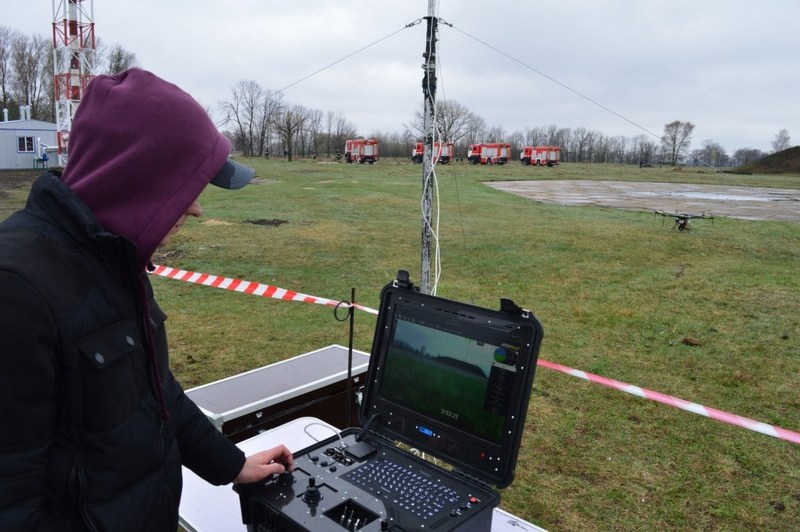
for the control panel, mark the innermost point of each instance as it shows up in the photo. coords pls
(344, 484)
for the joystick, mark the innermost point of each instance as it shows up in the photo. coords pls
(286, 478)
(312, 495)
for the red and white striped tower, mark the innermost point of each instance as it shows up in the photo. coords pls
(74, 48)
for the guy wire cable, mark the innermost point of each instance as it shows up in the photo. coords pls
(348, 56)
(585, 97)
(564, 85)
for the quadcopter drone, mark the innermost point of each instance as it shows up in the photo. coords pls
(682, 219)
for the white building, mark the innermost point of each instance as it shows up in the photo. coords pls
(25, 142)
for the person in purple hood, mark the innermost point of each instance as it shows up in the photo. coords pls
(94, 427)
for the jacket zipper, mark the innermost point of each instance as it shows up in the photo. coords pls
(79, 485)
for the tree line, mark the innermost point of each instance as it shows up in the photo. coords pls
(260, 123)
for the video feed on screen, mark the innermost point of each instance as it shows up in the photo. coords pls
(451, 376)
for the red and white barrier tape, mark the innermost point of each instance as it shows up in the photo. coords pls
(274, 292)
(248, 287)
(713, 413)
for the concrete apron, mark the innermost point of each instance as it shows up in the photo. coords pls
(749, 203)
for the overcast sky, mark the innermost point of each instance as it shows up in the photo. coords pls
(619, 67)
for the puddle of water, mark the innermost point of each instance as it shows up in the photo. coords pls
(717, 197)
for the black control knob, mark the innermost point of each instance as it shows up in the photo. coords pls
(286, 478)
(312, 494)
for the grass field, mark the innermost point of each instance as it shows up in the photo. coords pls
(712, 317)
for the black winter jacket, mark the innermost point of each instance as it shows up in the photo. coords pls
(94, 428)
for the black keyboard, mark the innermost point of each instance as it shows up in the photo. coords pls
(404, 486)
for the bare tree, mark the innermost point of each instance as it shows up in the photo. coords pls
(595, 147)
(781, 141)
(341, 130)
(330, 119)
(676, 140)
(119, 59)
(47, 111)
(29, 63)
(600, 149)
(746, 155)
(271, 106)
(582, 144)
(454, 122)
(241, 111)
(553, 135)
(559, 137)
(476, 130)
(643, 150)
(496, 134)
(534, 136)
(712, 153)
(251, 110)
(313, 129)
(7, 37)
(618, 147)
(517, 140)
(289, 125)
(393, 144)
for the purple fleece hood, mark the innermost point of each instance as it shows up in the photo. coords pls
(141, 150)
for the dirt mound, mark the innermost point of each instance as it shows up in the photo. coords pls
(782, 162)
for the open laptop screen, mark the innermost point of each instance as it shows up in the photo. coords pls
(460, 376)
(454, 380)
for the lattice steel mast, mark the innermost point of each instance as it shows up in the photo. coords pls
(74, 49)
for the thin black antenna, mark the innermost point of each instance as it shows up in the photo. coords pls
(349, 392)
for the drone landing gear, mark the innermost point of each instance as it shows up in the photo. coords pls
(682, 224)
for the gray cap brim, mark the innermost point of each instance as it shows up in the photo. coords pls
(233, 175)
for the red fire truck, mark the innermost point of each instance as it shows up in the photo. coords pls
(540, 155)
(361, 151)
(443, 152)
(492, 153)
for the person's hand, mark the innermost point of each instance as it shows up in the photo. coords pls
(261, 465)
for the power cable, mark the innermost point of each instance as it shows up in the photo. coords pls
(440, 78)
(430, 177)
